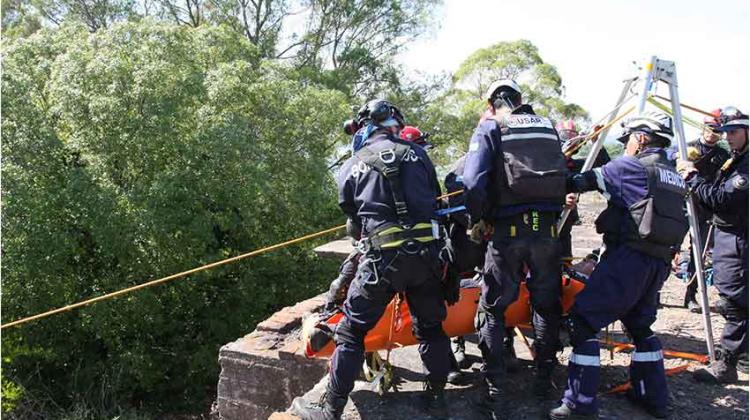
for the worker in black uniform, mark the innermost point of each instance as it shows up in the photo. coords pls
(643, 225)
(708, 157)
(515, 187)
(469, 261)
(390, 187)
(727, 198)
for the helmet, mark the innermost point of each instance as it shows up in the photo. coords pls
(654, 123)
(382, 113)
(413, 134)
(713, 120)
(566, 125)
(503, 92)
(378, 111)
(566, 129)
(508, 84)
(732, 118)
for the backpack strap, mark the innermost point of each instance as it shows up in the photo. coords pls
(387, 162)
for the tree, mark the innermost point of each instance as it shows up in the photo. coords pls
(519, 60)
(350, 44)
(450, 109)
(138, 151)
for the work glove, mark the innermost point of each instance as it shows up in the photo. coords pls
(571, 200)
(693, 154)
(451, 284)
(685, 168)
(480, 230)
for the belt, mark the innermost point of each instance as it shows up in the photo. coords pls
(529, 223)
(397, 236)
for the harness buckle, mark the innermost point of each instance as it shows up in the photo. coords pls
(411, 247)
(388, 156)
(363, 246)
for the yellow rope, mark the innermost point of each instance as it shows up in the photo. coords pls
(172, 277)
(184, 273)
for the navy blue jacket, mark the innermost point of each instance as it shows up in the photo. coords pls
(727, 198)
(366, 195)
(485, 156)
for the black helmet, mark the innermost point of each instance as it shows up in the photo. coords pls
(380, 111)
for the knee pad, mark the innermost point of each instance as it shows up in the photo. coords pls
(430, 332)
(347, 334)
(579, 330)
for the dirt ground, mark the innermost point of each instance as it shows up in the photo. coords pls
(678, 329)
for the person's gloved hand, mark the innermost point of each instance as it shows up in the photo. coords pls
(693, 154)
(451, 285)
(685, 168)
(480, 230)
(571, 200)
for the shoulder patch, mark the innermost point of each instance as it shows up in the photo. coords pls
(474, 146)
(739, 182)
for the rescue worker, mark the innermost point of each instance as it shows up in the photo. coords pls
(469, 261)
(727, 198)
(643, 226)
(708, 157)
(389, 186)
(507, 196)
(337, 290)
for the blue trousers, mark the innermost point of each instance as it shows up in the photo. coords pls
(731, 280)
(381, 275)
(624, 286)
(503, 272)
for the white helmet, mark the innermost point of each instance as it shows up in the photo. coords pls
(501, 83)
(654, 123)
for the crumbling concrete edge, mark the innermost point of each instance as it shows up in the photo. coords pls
(262, 372)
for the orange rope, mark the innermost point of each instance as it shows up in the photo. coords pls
(679, 354)
(626, 386)
(570, 152)
(692, 108)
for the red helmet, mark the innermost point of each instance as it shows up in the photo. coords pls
(413, 134)
(566, 129)
(714, 120)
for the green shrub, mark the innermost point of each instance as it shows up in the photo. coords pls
(140, 151)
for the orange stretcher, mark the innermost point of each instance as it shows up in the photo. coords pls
(395, 326)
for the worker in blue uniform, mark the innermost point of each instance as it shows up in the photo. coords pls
(515, 187)
(707, 156)
(390, 187)
(643, 226)
(727, 198)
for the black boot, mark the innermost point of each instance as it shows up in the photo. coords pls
(656, 412)
(742, 363)
(329, 407)
(455, 377)
(722, 371)
(564, 412)
(543, 378)
(459, 352)
(433, 397)
(491, 405)
(509, 355)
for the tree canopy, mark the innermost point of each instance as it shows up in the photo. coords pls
(140, 151)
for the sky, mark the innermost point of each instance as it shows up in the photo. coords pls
(593, 44)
